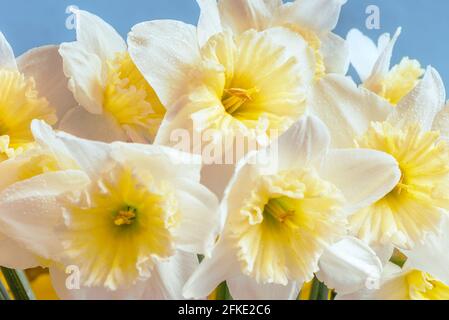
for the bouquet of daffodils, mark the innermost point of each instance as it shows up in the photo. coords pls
(229, 160)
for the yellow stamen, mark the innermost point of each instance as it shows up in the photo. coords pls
(125, 217)
(234, 98)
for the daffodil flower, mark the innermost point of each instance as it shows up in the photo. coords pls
(133, 226)
(31, 87)
(115, 103)
(424, 275)
(372, 64)
(287, 220)
(249, 86)
(410, 132)
(313, 20)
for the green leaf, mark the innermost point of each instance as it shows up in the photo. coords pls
(18, 284)
(223, 292)
(319, 290)
(3, 293)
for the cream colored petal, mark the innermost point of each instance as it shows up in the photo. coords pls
(318, 15)
(209, 22)
(363, 53)
(245, 288)
(243, 15)
(441, 122)
(422, 104)
(165, 51)
(7, 58)
(166, 163)
(346, 109)
(349, 265)
(96, 36)
(306, 142)
(382, 65)
(431, 255)
(222, 265)
(168, 278)
(84, 71)
(86, 125)
(30, 212)
(64, 285)
(91, 157)
(297, 48)
(335, 53)
(45, 65)
(200, 220)
(364, 176)
(14, 256)
(392, 286)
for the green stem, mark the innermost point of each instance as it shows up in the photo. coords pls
(18, 284)
(319, 290)
(223, 292)
(3, 293)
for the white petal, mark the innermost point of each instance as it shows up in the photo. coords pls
(364, 176)
(318, 15)
(165, 51)
(45, 65)
(29, 211)
(306, 142)
(90, 156)
(295, 47)
(209, 22)
(7, 58)
(165, 163)
(168, 278)
(60, 279)
(363, 53)
(335, 53)
(431, 255)
(382, 65)
(212, 271)
(86, 125)
(346, 109)
(200, 220)
(441, 122)
(423, 103)
(14, 256)
(244, 288)
(84, 71)
(96, 36)
(349, 266)
(243, 15)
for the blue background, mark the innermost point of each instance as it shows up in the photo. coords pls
(31, 23)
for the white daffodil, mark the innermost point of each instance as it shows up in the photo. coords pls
(372, 64)
(424, 275)
(250, 86)
(410, 132)
(133, 226)
(313, 20)
(287, 220)
(115, 102)
(31, 87)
